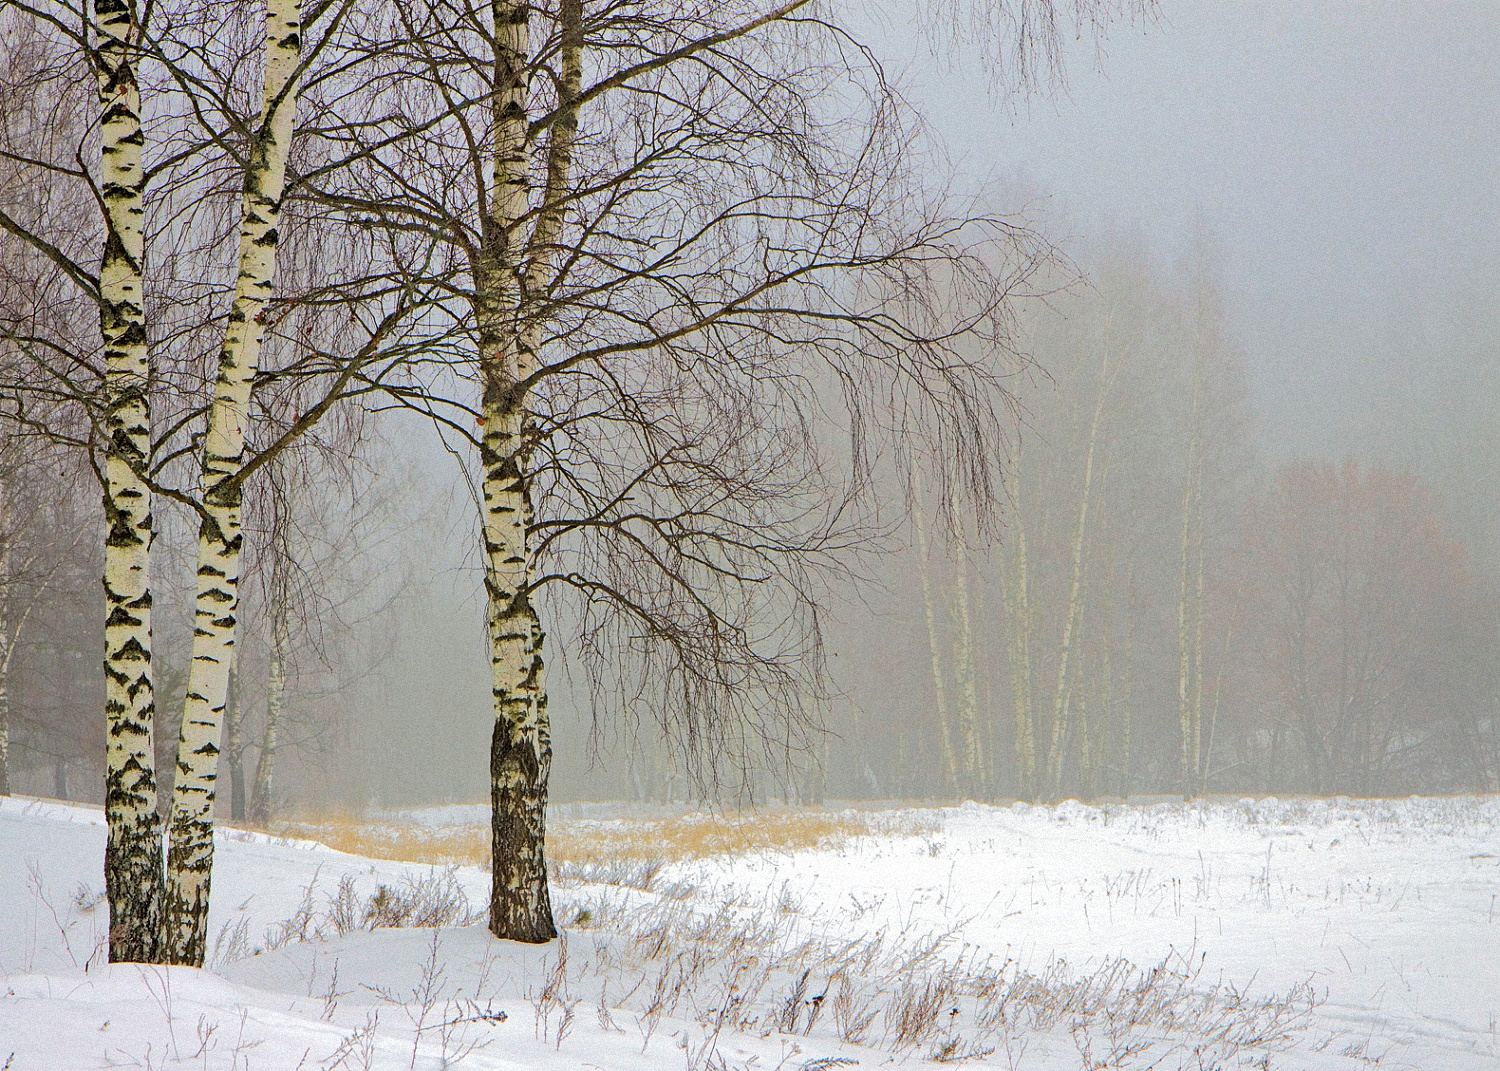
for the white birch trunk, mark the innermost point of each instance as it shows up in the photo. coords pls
(1213, 717)
(11, 627)
(1189, 606)
(507, 300)
(190, 857)
(234, 751)
(1200, 758)
(1018, 614)
(1097, 685)
(1074, 609)
(260, 798)
(1106, 720)
(972, 764)
(934, 640)
(7, 639)
(133, 858)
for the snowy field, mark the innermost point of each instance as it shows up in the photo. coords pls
(1271, 934)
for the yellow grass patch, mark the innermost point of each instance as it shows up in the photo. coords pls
(584, 842)
(404, 841)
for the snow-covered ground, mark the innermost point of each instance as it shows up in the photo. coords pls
(1271, 934)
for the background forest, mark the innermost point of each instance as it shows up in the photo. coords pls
(1198, 583)
(1165, 606)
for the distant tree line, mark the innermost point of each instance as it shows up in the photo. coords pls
(1165, 610)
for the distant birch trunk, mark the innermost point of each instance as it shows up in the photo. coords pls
(934, 640)
(1097, 742)
(1074, 608)
(1018, 615)
(1200, 754)
(1213, 716)
(972, 764)
(234, 752)
(7, 640)
(1186, 763)
(1127, 679)
(1190, 602)
(132, 856)
(1094, 677)
(260, 798)
(190, 858)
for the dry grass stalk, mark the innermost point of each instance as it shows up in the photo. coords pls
(746, 963)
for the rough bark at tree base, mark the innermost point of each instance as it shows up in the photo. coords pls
(190, 863)
(520, 905)
(133, 884)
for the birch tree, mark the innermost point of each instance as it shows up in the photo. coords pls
(948, 604)
(1209, 482)
(1014, 584)
(261, 795)
(1072, 608)
(323, 358)
(678, 239)
(190, 858)
(133, 856)
(964, 654)
(1095, 531)
(1190, 596)
(932, 609)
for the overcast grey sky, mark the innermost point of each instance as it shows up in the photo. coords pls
(1346, 155)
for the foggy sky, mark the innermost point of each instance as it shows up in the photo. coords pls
(1347, 157)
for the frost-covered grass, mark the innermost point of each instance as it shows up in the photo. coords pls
(1234, 934)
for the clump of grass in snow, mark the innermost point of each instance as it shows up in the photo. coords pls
(745, 964)
(431, 901)
(421, 901)
(742, 965)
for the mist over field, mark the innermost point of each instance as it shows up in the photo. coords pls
(1263, 357)
(747, 535)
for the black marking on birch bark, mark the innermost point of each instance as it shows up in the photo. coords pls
(131, 651)
(186, 926)
(122, 536)
(121, 617)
